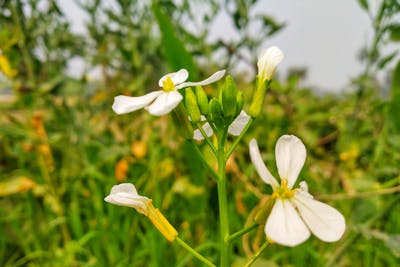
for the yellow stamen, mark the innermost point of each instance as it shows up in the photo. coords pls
(168, 85)
(284, 192)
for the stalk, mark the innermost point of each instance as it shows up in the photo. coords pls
(222, 201)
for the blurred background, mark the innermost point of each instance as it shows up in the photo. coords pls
(62, 147)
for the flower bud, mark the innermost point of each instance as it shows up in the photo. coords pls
(267, 63)
(191, 105)
(216, 111)
(202, 100)
(228, 97)
(239, 102)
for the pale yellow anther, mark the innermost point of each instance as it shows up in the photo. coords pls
(284, 192)
(168, 84)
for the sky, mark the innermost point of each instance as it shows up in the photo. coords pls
(323, 35)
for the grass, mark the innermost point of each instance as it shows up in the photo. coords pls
(59, 159)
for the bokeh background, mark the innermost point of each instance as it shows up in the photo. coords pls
(62, 147)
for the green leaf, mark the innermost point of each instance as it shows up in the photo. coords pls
(175, 52)
(270, 25)
(364, 4)
(382, 62)
(394, 105)
(394, 32)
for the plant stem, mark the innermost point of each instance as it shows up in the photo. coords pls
(239, 233)
(257, 254)
(205, 163)
(194, 252)
(239, 138)
(384, 191)
(204, 134)
(222, 201)
(18, 19)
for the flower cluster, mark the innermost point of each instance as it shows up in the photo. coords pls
(294, 213)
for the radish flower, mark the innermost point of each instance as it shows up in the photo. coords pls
(163, 101)
(295, 213)
(234, 129)
(126, 195)
(267, 63)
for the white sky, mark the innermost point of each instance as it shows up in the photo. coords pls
(323, 35)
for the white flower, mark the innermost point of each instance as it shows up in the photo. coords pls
(235, 128)
(163, 101)
(268, 62)
(126, 195)
(295, 212)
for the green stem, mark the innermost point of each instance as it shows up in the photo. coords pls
(239, 233)
(210, 144)
(194, 252)
(257, 254)
(205, 163)
(18, 18)
(239, 138)
(222, 201)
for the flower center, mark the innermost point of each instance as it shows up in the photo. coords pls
(284, 192)
(168, 84)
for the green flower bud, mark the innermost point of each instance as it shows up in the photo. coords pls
(202, 100)
(216, 112)
(239, 102)
(191, 105)
(227, 97)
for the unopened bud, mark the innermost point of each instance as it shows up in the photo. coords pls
(228, 97)
(239, 102)
(202, 100)
(216, 111)
(191, 105)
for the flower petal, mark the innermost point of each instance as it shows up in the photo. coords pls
(126, 195)
(213, 78)
(124, 188)
(177, 77)
(239, 123)
(262, 170)
(268, 62)
(290, 154)
(122, 199)
(207, 129)
(124, 104)
(324, 221)
(164, 103)
(284, 225)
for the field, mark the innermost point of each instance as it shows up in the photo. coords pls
(62, 147)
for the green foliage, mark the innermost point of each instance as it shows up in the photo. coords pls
(174, 50)
(394, 105)
(62, 148)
